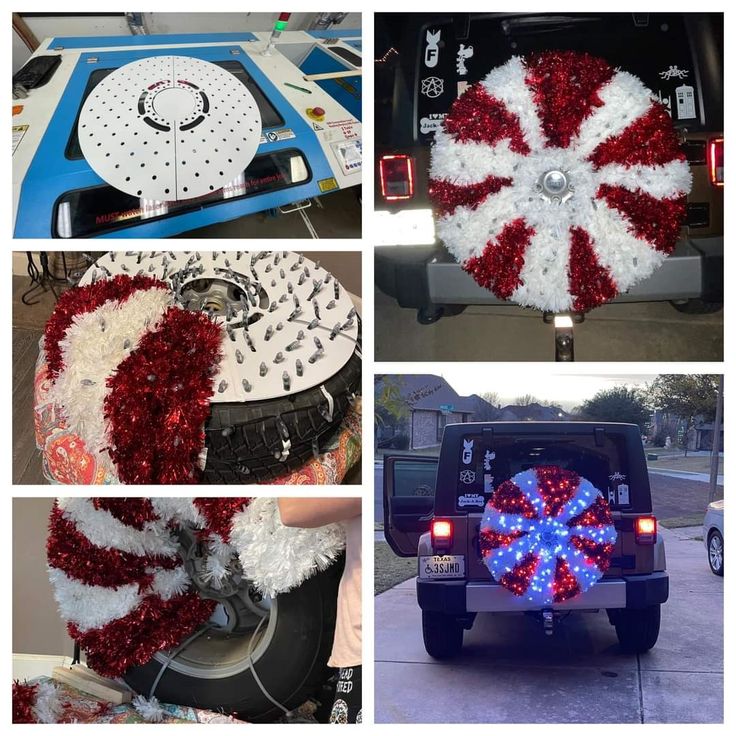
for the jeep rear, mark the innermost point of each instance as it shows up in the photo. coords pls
(453, 582)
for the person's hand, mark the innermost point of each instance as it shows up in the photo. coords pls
(314, 512)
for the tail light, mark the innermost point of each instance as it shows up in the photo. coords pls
(441, 535)
(397, 176)
(645, 530)
(715, 161)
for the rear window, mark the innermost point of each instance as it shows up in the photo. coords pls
(482, 468)
(455, 52)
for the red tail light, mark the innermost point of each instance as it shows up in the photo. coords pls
(441, 535)
(397, 176)
(715, 161)
(645, 530)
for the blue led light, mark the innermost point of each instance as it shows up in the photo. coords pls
(546, 537)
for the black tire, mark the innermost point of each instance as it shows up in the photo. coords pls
(292, 667)
(697, 306)
(715, 552)
(637, 629)
(443, 635)
(244, 440)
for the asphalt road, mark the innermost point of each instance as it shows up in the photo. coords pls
(509, 672)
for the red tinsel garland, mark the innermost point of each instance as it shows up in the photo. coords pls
(135, 512)
(132, 640)
(650, 140)
(24, 698)
(565, 584)
(160, 398)
(655, 220)
(68, 550)
(565, 86)
(500, 264)
(590, 283)
(509, 498)
(219, 513)
(83, 299)
(448, 196)
(476, 116)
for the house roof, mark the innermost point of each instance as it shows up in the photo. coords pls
(532, 412)
(429, 392)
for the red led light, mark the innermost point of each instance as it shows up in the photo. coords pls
(284, 16)
(397, 176)
(441, 529)
(715, 161)
(645, 530)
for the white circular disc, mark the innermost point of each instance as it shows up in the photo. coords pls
(271, 323)
(169, 127)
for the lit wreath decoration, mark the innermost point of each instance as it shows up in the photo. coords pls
(121, 584)
(547, 535)
(558, 182)
(122, 359)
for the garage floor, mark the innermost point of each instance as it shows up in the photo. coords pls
(615, 332)
(336, 215)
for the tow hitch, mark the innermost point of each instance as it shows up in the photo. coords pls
(548, 621)
(564, 336)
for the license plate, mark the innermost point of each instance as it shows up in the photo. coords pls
(442, 566)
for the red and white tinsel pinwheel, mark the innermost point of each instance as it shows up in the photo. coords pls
(121, 584)
(558, 181)
(547, 535)
(132, 373)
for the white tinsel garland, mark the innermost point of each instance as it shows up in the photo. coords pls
(276, 557)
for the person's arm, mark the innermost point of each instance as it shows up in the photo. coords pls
(313, 512)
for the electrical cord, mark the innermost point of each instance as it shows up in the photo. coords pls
(173, 656)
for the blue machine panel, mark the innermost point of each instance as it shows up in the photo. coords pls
(346, 90)
(163, 39)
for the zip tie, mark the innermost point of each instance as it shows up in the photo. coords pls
(330, 403)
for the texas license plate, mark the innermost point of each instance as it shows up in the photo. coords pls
(442, 566)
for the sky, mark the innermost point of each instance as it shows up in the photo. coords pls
(567, 391)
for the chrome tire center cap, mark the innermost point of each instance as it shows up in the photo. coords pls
(554, 186)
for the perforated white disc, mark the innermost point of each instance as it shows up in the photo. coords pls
(297, 314)
(169, 127)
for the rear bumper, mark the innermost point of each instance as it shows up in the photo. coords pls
(460, 597)
(419, 275)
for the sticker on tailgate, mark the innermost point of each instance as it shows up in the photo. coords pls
(442, 566)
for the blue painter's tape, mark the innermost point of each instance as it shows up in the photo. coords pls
(337, 33)
(94, 42)
(347, 91)
(51, 174)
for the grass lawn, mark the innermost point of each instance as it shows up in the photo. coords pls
(677, 522)
(391, 570)
(692, 464)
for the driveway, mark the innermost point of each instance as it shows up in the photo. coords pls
(510, 672)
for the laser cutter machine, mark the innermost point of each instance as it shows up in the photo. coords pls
(307, 89)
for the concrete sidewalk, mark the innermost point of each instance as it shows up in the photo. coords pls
(686, 475)
(509, 672)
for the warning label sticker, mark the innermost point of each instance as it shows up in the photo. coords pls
(18, 132)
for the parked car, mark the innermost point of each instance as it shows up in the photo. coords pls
(713, 536)
(452, 50)
(433, 508)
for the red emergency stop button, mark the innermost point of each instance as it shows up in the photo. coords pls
(316, 113)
